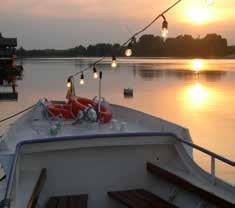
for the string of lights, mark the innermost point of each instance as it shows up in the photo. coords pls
(129, 42)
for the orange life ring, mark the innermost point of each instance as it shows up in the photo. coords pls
(85, 101)
(105, 115)
(80, 103)
(77, 104)
(63, 110)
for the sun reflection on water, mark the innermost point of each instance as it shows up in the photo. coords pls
(198, 96)
(197, 65)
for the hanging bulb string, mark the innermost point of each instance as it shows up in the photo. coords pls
(88, 67)
(152, 22)
(130, 39)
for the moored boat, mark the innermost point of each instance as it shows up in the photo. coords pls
(133, 160)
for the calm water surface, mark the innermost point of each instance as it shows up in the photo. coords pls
(198, 94)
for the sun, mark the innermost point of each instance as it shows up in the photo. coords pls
(199, 15)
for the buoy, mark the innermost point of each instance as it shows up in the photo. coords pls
(128, 92)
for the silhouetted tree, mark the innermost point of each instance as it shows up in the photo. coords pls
(212, 45)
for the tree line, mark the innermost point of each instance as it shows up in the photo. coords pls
(212, 45)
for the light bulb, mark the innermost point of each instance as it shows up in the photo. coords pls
(128, 52)
(129, 48)
(114, 62)
(165, 33)
(82, 81)
(68, 84)
(95, 74)
(165, 29)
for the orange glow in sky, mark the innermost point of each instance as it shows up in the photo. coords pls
(199, 12)
(199, 15)
(94, 21)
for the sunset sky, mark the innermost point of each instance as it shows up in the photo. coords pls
(66, 23)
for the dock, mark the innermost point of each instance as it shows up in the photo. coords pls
(8, 96)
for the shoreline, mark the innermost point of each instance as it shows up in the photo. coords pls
(128, 58)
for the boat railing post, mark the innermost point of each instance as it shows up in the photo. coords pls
(213, 170)
(99, 104)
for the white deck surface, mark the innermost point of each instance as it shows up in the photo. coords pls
(33, 125)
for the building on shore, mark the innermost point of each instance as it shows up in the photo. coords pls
(10, 72)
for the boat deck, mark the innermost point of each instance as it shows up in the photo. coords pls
(36, 126)
(99, 160)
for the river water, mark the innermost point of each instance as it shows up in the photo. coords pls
(197, 94)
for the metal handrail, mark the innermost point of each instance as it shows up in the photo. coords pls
(212, 154)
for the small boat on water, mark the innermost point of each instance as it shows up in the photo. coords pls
(88, 153)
